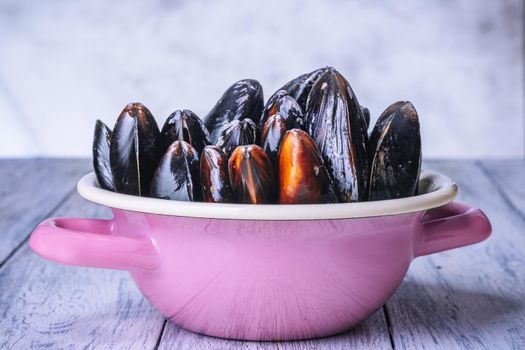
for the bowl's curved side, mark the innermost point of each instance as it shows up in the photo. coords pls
(435, 190)
(273, 280)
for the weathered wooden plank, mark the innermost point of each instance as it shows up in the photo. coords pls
(509, 178)
(469, 298)
(29, 190)
(46, 305)
(372, 334)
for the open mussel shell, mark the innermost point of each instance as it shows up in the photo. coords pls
(101, 144)
(215, 180)
(272, 134)
(244, 99)
(303, 178)
(177, 176)
(300, 87)
(395, 153)
(285, 105)
(237, 133)
(251, 175)
(135, 150)
(185, 126)
(336, 123)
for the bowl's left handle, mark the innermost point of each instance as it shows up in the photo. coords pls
(452, 226)
(88, 242)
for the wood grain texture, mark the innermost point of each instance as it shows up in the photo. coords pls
(372, 334)
(29, 191)
(468, 298)
(46, 305)
(509, 178)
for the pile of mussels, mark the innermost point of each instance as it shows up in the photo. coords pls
(308, 144)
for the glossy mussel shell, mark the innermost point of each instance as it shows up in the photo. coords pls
(237, 133)
(272, 134)
(177, 176)
(135, 150)
(285, 105)
(244, 99)
(303, 178)
(101, 164)
(214, 176)
(299, 88)
(395, 153)
(251, 175)
(366, 115)
(336, 123)
(185, 126)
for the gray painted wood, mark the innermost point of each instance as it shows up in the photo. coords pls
(372, 334)
(29, 190)
(46, 305)
(509, 178)
(468, 298)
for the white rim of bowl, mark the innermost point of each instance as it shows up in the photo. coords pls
(440, 190)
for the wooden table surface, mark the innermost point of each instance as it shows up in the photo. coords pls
(468, 298)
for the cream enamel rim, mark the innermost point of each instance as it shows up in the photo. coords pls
(441, 191)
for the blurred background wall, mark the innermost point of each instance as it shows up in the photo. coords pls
(65, 63)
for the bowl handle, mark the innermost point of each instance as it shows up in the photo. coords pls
(452, 226)
(89, 242)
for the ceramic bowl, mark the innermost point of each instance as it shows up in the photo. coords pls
(264, 272)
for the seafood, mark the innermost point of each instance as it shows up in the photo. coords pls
(308, 144)
(101, 142)
(185, 126)
(215, 180)
(237, 133)
(251, 175)
(336, 123)
(395, 153)
(272, 134)
(285, 105)
(366, 114)
(300, 87)
(134, 150)
(177, 176)
(244, 99)
(303, 178)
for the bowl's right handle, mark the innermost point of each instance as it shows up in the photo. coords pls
(90, 242)
(452, 226)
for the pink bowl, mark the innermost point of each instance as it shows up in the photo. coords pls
(268, 272)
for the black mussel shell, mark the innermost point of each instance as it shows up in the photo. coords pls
(285, 105)
(177, 176)
(244, 99)
(237, 133)
(391, 109)
(300, 87)
(215, 180)
(303, 178)
(135, 150)
(271, 104)
(101, 165)
(395, 153)
(366, 114)
(336, 123)
(251, 175)
(185, 126)
(272, 134)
